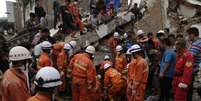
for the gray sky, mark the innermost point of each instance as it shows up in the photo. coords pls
(3, 7)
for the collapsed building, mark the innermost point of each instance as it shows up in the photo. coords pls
(183, 14)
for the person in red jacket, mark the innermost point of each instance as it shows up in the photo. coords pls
(183, 71)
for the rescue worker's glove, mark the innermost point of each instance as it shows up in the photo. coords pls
(182, 85)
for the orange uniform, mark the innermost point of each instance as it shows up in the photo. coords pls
(39, 97)
(120, 62)
(14, 86)
(113, 43)
(44, 60)
(137, 79)
(114, 82)
(103, 63)
(75, 12)
(83, 77)
(62, 63)
(57, 48)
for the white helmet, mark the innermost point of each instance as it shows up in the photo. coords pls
(73, 44)
(19, 53)
(46, 45)
(161, 31)
(140, 32)
(119, 48)
(128, 52)
(125, 35)
(135, 48)
(67, 46)
(90, 49)
(48, 77)
(107, 65)
(106, 57)
(116, 35)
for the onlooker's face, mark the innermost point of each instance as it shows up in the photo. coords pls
(191, 36)
(178, 48)
(67, 3)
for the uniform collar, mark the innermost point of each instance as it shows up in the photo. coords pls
(19, 74)
(87, 55)
(42, 97)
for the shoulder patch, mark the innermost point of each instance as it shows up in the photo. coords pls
(188, 64)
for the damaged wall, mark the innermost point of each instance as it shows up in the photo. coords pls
(152, 21)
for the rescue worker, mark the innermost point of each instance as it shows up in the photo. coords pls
(83, 75)
(46, 80)
(62, 63)
(183, 71)
(114, 41)
(114, 83)
(56, 49)
(120, 59)
(74, 10)
(45, 57)
(73, 45)
(137, 75)
(15, 83)
(127, 42)
(106, 60)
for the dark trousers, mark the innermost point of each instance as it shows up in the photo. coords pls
(165, 89)
(190, 94)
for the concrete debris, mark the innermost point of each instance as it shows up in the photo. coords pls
(194, 2)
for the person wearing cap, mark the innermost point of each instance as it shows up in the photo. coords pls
(46, 81)
(141, 36)
(45, 57)
(15, 82)
(114, 41)
(114, 83)
(62, 64)
(137, 75)
(120, 59)
(83, 75)
(160, 34)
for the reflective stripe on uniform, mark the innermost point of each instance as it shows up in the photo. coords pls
(80, 66)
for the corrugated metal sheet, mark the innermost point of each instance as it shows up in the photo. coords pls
(194, 2)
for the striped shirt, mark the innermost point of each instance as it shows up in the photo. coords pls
(196, 51)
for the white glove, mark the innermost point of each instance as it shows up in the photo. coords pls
(99, 77)
(182, 85)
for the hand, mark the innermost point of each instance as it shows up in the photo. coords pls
(62, 73)
(89, 87)
(161, 75)
(182, 85)
(133, 92)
